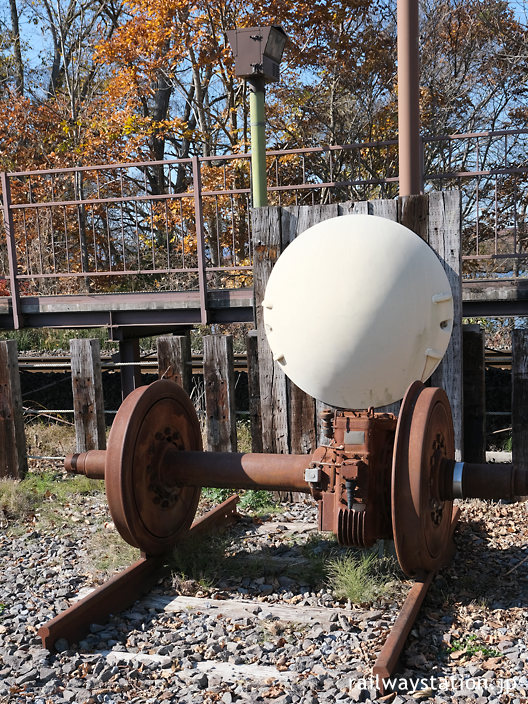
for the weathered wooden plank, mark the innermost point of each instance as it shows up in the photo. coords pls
(296, 219)
(303, 436)
(312, 214)
(302, 416)
(474, 394)
(267, 245)
(13, 452)
(353, 208)
(413, 212)
(255, 419)
(87, 386)
(519, 399)
(219, 383)
(289, 224)
(174, 360)
(444, 238)
(383, 208)
(238, 608)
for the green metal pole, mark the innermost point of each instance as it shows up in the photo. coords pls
(258, 144)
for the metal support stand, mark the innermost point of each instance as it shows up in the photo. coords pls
(258, 142)
(409, 143)
(128, 586)
(130, 375)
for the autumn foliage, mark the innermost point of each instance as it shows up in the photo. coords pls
(125, 81)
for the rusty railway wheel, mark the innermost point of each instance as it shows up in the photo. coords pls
(421, 522)
(147, 512)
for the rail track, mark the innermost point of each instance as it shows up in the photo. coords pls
(147, 364)
(500, 359)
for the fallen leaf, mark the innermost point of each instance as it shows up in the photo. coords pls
(273, 692)
(423, 693)
(491, 663)
(457, 654)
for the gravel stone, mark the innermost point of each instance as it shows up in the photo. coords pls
(147, 655)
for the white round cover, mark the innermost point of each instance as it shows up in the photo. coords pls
(356, 308)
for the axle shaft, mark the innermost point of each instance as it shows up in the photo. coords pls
(232, 470)
(467, 480)
(219, 470)
(91, 463)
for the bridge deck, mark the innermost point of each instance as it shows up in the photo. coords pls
(138, 310)
(151, 311)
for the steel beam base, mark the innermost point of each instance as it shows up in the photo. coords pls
(122, 590)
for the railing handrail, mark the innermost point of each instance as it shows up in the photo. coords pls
(271, 153)
(113, 225)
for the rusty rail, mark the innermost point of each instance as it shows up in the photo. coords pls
(389, 656)
(122, 590)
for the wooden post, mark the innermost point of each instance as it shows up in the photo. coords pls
(13, 453)
(219, 383)
(353, 208)
(88, 404)
(383, 208)
(519, 399)
(474, 394)
(174, 360)
(413, 212)
(444, 238)
(255, 419)
(303, 431)
(266, 228)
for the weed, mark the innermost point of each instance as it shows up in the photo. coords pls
(470, 645)
(2, 608)
(315, 543)
(482, 602)
(244, 436)
(17, 501)
(358, 578)
(20, 499)
(51, 439)
(109, 552)
(257, 502)
(51, 485)
(199, 559)
(216, 496)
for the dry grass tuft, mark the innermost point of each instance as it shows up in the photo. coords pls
(50, 439)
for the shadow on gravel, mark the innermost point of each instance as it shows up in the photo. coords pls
(467, 606)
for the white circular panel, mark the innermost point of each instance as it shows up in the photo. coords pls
(356, 308)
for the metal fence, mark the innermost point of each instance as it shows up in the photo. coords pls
(184, 224)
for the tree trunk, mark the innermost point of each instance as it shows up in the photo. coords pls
(17, 53)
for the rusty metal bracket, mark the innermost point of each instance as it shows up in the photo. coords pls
(122, 590)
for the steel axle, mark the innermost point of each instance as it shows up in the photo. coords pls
(378, 477)
(226, 470)
(219, 470)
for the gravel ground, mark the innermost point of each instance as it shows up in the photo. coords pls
(266, 638)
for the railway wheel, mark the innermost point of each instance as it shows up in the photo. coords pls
(148, 512)
(421, 522)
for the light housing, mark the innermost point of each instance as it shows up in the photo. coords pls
(258, 52)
